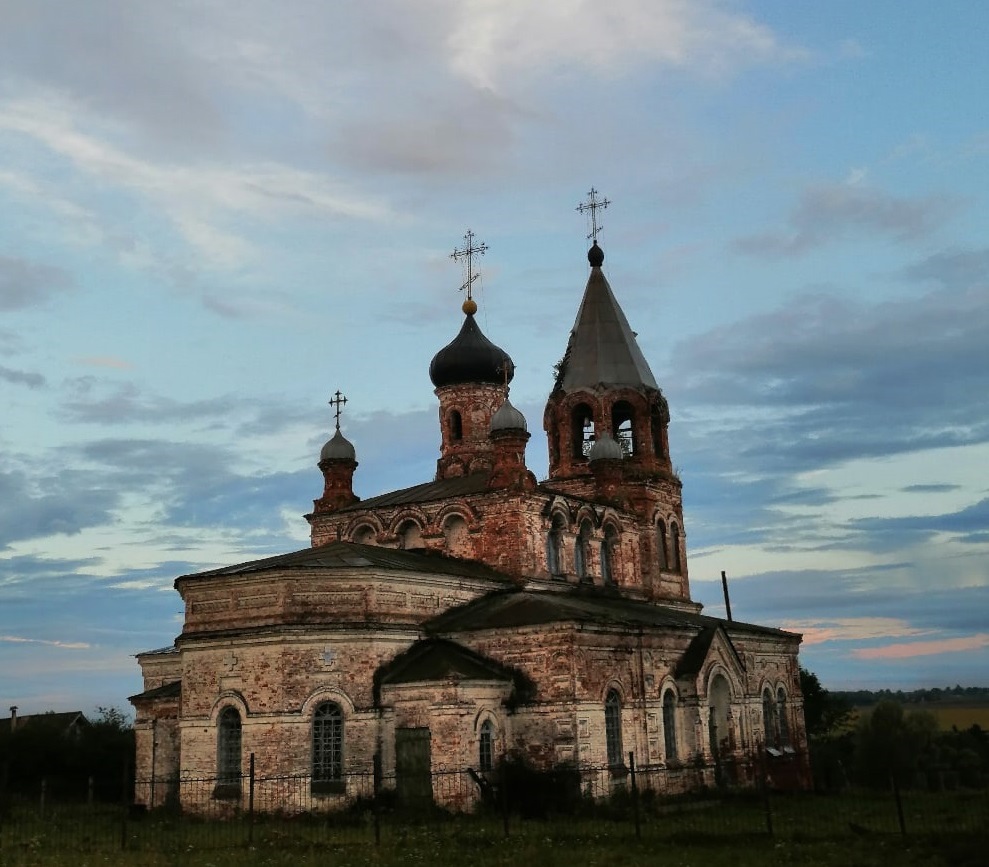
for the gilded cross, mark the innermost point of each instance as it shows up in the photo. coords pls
(469, 251)
(592, 204)
(337, 402)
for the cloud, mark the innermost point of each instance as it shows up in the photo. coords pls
(107, 361)
(963, 269)
(824, 379)
(490, 42)
(973, 519)
(26, 284)
(65, 645)
(22, 377)
(828, 212)
(851, 629)
(909, 650)
(65, 502)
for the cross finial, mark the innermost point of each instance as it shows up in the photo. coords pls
(469, 251)
(505, 369)
(592, 204)
(337, 402)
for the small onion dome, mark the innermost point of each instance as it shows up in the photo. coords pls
(338, 449)
(605, 448)
(507, 418)
(595, 256)
(471, 357)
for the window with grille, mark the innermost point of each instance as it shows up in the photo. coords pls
(228, 747)
(784, 723)
(327, 744)
(661, 558)
(769, 718)
(486, 746)
(670, 725)
(613, 728)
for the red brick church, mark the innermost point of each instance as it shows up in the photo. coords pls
(482, 613)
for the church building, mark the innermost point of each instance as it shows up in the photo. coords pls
(482, 614)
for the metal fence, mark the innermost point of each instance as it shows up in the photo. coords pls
(711, 803)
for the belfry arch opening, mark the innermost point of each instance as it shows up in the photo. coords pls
(582, 430)
(622, 426)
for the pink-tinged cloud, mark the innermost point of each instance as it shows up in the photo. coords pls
(105, 361)
(852, 629)
(924, 648)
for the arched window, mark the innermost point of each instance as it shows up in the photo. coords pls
(661, 558)
(410, 536)
(769, 718)
(622, 417)
(582, 431)
(327, 748)
(608, 548)
(554, 546)
(784, 723)
(485, 746)
(228, 747)
(613, 728)
(675, 548)
(656, 422)
(364, 535)
(456, 536)
(670, 725)
(581, 550)
(456, 425)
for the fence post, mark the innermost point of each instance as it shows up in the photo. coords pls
(899, 804)
(504, 795)
(250, 805)
(123, 806)
(767, 806)
(376, 800)
(635, 796)
(44, 793)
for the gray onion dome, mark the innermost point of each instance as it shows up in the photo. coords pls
(605, 448)
(507, 418)
(338, 449)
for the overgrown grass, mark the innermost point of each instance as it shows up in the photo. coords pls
(947, 829)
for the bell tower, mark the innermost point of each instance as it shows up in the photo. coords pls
(606, 423)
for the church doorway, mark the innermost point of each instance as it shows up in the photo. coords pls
(413, 767)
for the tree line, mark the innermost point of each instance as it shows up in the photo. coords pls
(894, 741)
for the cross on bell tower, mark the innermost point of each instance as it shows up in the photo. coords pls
(593, 205)
(337, 402)
(469, 251)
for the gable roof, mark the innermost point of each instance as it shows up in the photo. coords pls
(63, 721)
(438, 659)
(515, 607)
(172, 689)
(602, 348)
(351, 555)
(694, 657)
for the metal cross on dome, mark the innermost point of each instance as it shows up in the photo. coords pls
(337, 402)
(592, 204)
(468, 252)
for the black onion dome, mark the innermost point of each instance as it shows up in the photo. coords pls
(595, 256)
(470, 357)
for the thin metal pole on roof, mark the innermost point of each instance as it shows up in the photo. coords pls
(724, 587)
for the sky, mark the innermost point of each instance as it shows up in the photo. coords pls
(213, 215)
